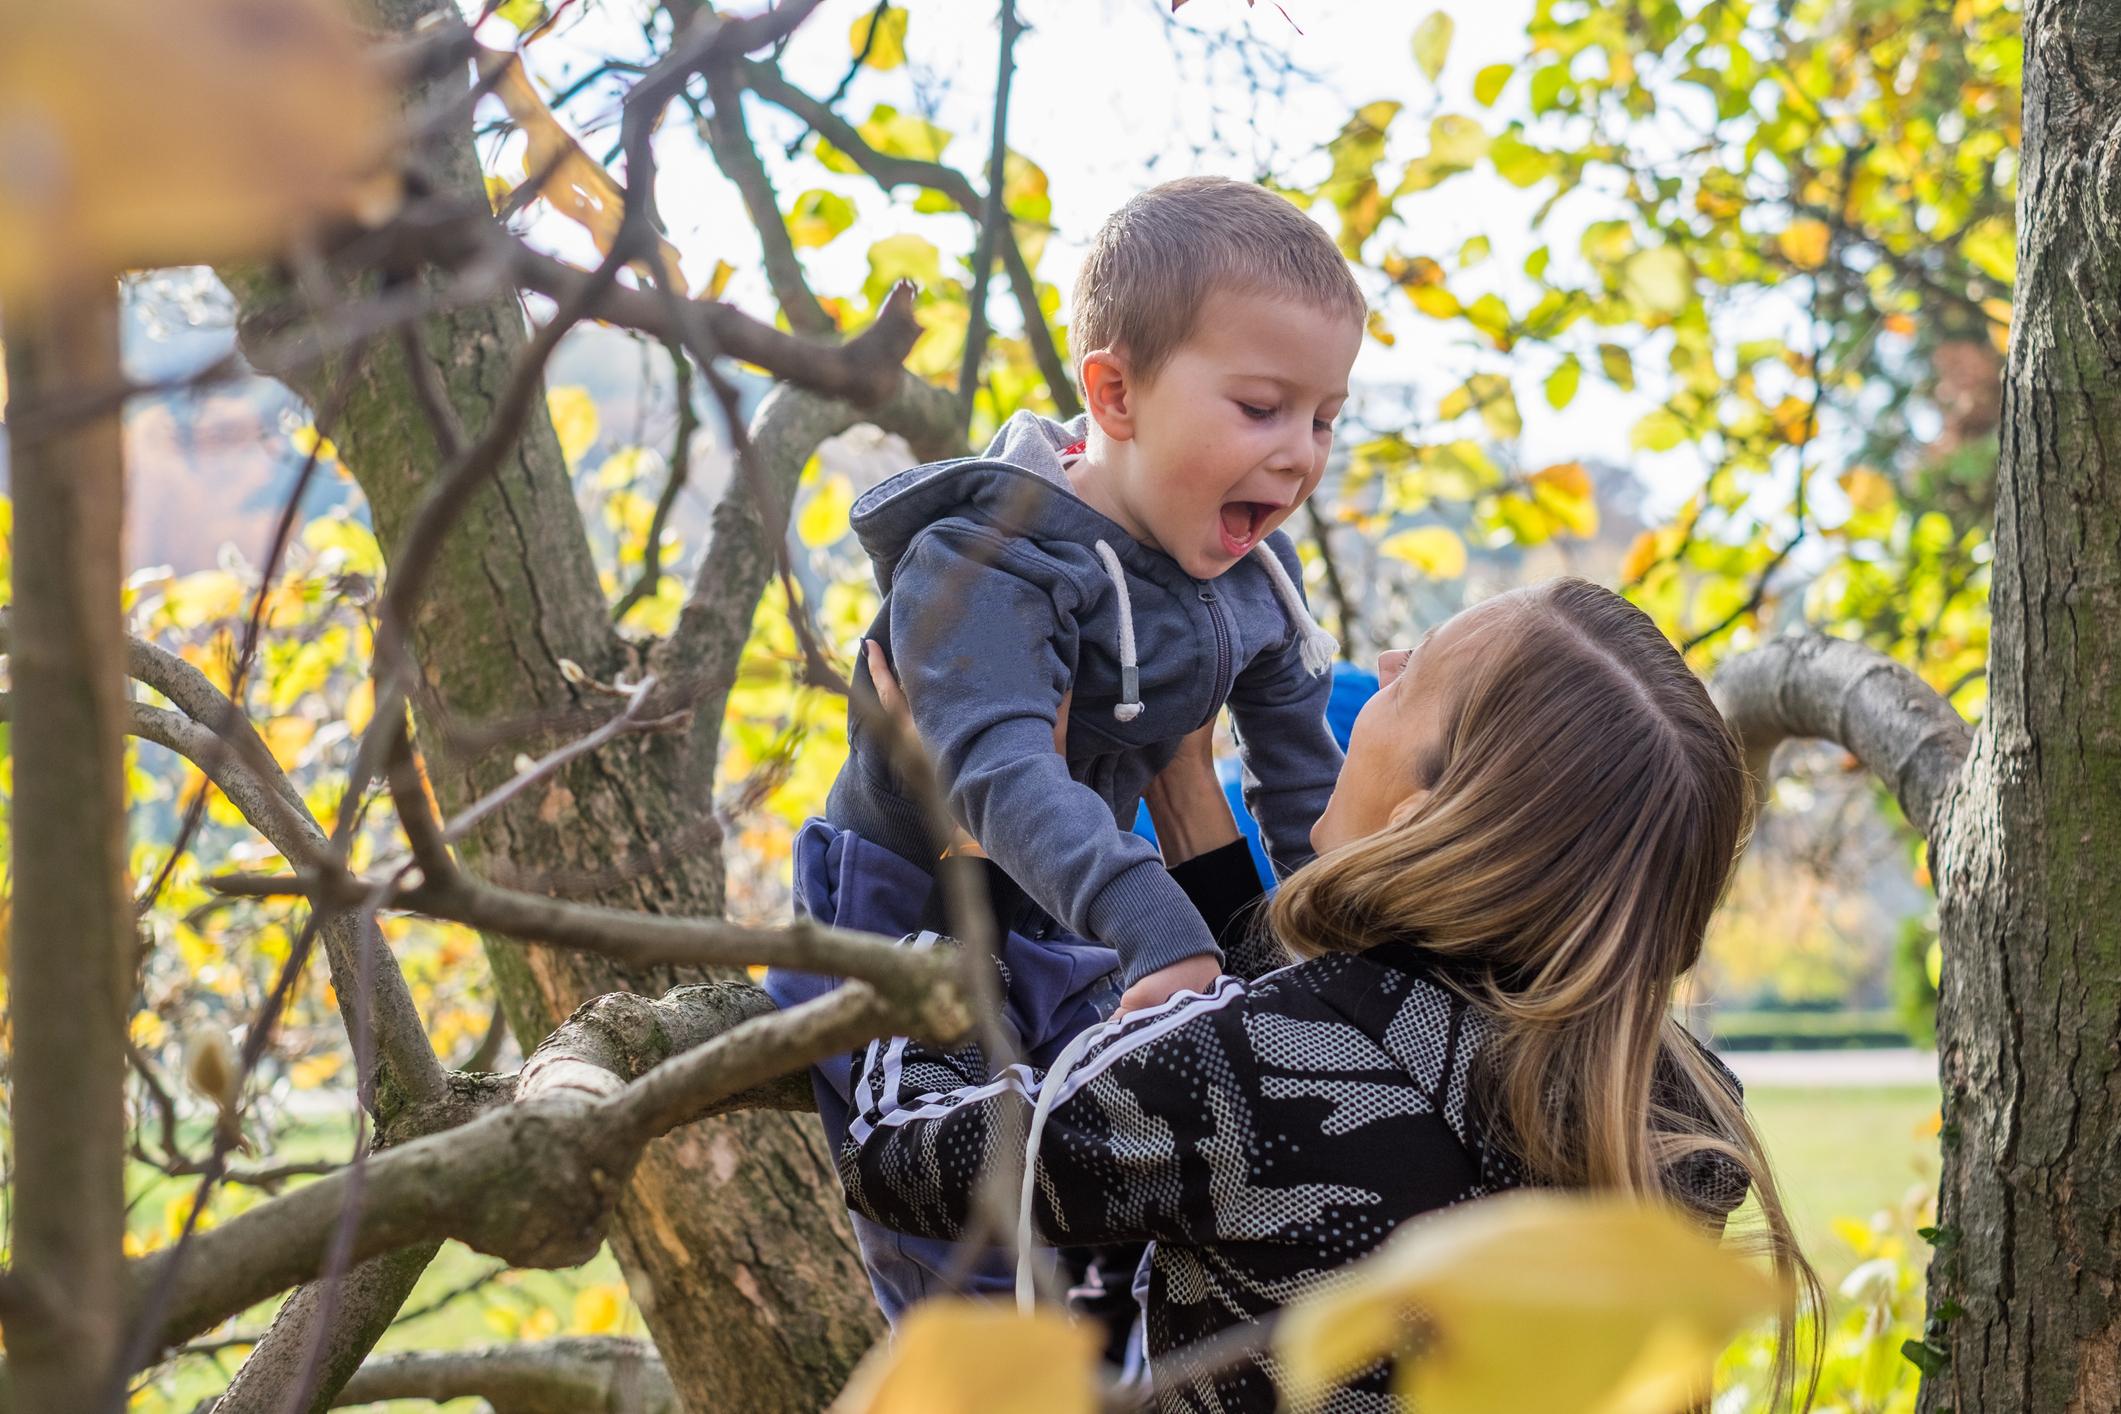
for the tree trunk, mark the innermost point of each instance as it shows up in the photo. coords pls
(70, 975)
(733, 1233)
(2030, 892)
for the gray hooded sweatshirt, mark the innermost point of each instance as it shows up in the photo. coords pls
(999, 600)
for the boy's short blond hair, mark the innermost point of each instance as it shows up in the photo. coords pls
(1156, 259)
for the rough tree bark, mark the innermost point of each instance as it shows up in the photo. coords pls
(732, 1233)
(70, 974)
(2025, 1278)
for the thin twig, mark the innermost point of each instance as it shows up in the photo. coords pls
(680, 471)
(625, 721)
(991, 218)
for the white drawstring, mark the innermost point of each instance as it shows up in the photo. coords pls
(1026, 1293)
(1319, 647)
(1130, 679)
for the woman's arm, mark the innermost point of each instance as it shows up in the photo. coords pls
(1121, 1158)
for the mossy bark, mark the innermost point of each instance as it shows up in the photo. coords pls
(2029, 861)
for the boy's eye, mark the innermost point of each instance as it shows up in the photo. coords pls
(1321, 424)
(1257, 414)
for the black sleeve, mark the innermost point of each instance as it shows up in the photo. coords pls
(1224, 885)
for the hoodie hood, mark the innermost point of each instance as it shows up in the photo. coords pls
(1017, 484)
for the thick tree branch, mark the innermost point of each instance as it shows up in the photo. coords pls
(530, 1183)
(617, 1038)
(925, 984)
(1855, 696)
(564, 1376)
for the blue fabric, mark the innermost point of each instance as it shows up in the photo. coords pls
(1058, 986)
(996, 605)
(1352, 687)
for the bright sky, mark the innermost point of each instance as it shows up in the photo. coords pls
(1110, 97)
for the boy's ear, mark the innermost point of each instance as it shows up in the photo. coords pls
(1107, 393)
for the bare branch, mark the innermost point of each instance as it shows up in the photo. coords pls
(1851, 694)
(651, 579)
(562, 1376)
(766, 80)
(615, 1039)
(994, 215)
(734, 152)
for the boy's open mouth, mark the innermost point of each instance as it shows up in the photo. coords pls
(1243, 523)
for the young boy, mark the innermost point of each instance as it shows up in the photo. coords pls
(1129, 565)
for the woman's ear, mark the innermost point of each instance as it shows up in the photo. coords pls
(1107, 393)
(1404, 811)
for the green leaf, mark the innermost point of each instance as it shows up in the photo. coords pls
(1488, 83)
(1925, 1357)
(1474, 251)
(1497, 401)
(1432, 43)
(1535, 264)
(835, 160)
(1619, 368)
(1519, 163)
(1561, 383)
(1660, 279)
(888, 51)
(897, 134)
(818, 218)
(932, 203)
(1660, 431)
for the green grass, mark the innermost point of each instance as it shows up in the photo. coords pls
(1845, 1153)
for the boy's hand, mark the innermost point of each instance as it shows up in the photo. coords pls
(1195, 974)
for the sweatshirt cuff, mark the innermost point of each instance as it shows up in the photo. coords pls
(1145, 917)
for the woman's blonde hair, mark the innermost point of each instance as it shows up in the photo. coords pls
(1580, 827)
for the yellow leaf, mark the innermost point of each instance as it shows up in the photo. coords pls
(1435, 550)
(1992, 246)
(719, 280)
(1497, 402)
(1660, 279)
(953, 1356)
(525, 15)
(179, 133)
(201, 598)
(888, 50)
(1488, 84)
(1563, 1303)
(818, 217)
(1561, 383)
(1793, 419)
(574, 418)
(1435, 301)
(1866, 489)
(1643, 554)
(1859, 1237)
(598, 1309)
(1432, 43)
(1901, 324)
(1804, 244)
(576, 185)
(1564, 491)
(312, 1071)
(1618, 366)
(285, 737)
(823, 519)
(1376, 325)
(304, 439)
(1475, 250)
(361, 705)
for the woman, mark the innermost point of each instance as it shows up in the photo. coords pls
(1537, 816)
